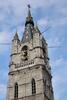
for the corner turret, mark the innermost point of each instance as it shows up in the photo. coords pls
(15, 43)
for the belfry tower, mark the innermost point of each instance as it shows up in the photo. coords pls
(29, 76)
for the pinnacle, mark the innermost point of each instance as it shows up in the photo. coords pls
(16, 36)
(29, 13)
(29, 18)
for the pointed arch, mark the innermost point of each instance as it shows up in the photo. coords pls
(33, 83)
(24, 51)
(25, 47)
(16, 91)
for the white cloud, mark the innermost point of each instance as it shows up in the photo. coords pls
(54, 41)
(43, 22)
(58, 22)
(20, 6)
(60, 62)
(4, 38)
(17, 10)
(59, 76)
(2, 90)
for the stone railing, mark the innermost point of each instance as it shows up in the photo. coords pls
(25, 63)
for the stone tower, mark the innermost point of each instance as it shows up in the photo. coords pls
(29, 76)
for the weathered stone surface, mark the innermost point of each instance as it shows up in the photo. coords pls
(35, 66)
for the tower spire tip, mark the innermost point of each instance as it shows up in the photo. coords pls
(29, 6)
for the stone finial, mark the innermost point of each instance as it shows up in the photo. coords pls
(16, 37)
(29, 18)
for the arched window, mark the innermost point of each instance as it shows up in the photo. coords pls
(16, 91)
(33, 86)
(24, 51)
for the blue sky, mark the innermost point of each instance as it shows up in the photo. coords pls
(47, 13)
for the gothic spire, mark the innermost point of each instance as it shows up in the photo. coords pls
(16, 36)
(29, 18)
(29, 13)
(29, 27)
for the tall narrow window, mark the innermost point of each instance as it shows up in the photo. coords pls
(33, 86)
(16, 91)
(24, 53)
